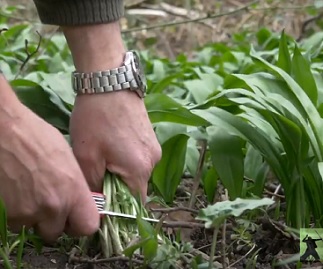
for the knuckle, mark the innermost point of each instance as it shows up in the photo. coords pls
(52, 204)
(156, 153)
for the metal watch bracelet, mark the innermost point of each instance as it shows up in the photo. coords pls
(120, 78)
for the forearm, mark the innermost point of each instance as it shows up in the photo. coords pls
(95, 47)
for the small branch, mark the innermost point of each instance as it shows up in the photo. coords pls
(213, 16)
(29, 55)
(174, 209)
(306, 23)
(197, 178)
(182, 224)
(74, 259)
(223, 245)
(274, 194)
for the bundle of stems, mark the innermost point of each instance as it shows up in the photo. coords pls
(118, 233)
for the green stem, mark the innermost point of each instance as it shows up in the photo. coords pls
(212, 254)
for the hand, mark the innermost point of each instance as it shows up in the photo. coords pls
(112, 131)
(41, 183)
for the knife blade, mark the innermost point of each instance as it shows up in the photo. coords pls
(126, 216)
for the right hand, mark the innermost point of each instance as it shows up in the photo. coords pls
(41, 182)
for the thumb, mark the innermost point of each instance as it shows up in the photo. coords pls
(84, 218)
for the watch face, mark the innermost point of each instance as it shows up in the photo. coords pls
(139, 72)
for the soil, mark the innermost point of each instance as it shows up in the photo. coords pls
(269, 240)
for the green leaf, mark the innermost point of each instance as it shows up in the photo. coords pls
(312, 115)
(227, 159)
(256, 169)
(301, 72)
(160, 107)
(22, 239)
(213, 215)
(3, 224)
(129, 251)
(236, 126)
(167, 173)
(151, 245)
(44, 103)
(284, 59)
(210, 181)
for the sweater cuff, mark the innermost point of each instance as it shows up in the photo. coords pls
(79, 12)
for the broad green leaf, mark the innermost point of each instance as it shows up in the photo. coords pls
(309, 108)
(129, 251)
(256, 169)
(213, 215)
(227, 159)
(147, 231)
(60, 83)
(44, 103)
(162, 84)
(192, 156)
(236, 126)
(167, 173)
(284, 59)
(166, 130)
(160, 107)
(199, 89)
(210, 181)
(320, 167)
(301, 72)
(252, 161)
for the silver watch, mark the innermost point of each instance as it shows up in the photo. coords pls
(129, 76)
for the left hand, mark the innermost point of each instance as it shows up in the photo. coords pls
(112, 131)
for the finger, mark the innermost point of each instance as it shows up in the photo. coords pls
(83, 219)
(138, 188)
(92, 166)
(51, 228)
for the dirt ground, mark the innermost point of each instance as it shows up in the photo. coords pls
(269, 237)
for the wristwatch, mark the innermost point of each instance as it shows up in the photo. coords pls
(129, 76)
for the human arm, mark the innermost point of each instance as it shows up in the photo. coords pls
(110, 130)
(41, 183)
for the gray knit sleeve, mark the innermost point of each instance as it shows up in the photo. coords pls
(79, 12)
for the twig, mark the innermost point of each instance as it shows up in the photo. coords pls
(198, 174)
(274, 194)
(306, 23)
(212, 16)
(182, 224)
(73, 259)
(29, 55)
(174, 209)
(223, 245)
(243, 257)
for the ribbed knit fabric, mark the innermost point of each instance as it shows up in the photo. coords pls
(78, 12)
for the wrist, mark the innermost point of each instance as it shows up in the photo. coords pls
(95, 47)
